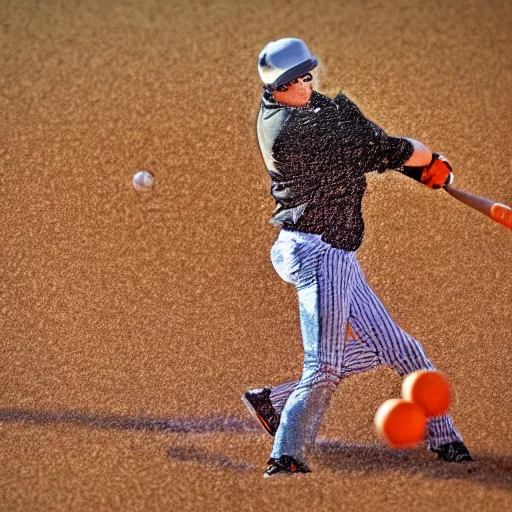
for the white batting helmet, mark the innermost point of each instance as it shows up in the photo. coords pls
(284, 60)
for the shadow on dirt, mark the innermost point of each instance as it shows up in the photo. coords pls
(204, 457)
(489, 469)
(205, 425)
(209, 424)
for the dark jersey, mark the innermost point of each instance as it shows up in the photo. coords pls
(317, 157)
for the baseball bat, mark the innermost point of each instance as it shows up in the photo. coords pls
(496, 211)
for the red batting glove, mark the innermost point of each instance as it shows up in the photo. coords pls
(438, 173)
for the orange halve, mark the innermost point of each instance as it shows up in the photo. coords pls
(400, 423)
(429, 389)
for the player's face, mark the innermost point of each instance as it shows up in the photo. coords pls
(296, 93)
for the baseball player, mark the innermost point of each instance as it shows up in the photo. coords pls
(317, 151)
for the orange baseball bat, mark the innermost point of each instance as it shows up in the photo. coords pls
(496, 211)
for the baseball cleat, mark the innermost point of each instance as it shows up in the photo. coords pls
(259, 405)
(283, 466)
(453, 452)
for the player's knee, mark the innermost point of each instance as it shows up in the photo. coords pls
(324, 376)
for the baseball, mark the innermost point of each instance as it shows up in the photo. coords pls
(429, 389)
(401, 424)
(143, 181)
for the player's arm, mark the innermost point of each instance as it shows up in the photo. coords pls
(377, 150)
(414, 159)
(421, 155)
(386, 152)
(431, 169)
(406, 155)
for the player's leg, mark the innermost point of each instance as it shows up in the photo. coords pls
(323, 293)
(358, 357)
(279, 394)
(396, 349)
(266, 404)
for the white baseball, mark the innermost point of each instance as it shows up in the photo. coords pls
(143, 181)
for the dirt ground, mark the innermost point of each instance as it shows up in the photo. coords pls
(131, 324)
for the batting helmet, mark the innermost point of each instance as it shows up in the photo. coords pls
(284, 60)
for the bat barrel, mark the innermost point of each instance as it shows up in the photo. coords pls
(502, 214)
(496, 211)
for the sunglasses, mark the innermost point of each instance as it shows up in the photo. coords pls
(305, 78)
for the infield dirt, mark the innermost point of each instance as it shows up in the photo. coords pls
(131, 324)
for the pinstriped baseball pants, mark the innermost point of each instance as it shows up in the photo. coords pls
(345, 330)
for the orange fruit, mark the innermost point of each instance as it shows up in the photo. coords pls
(429, 389)
(401, 424)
